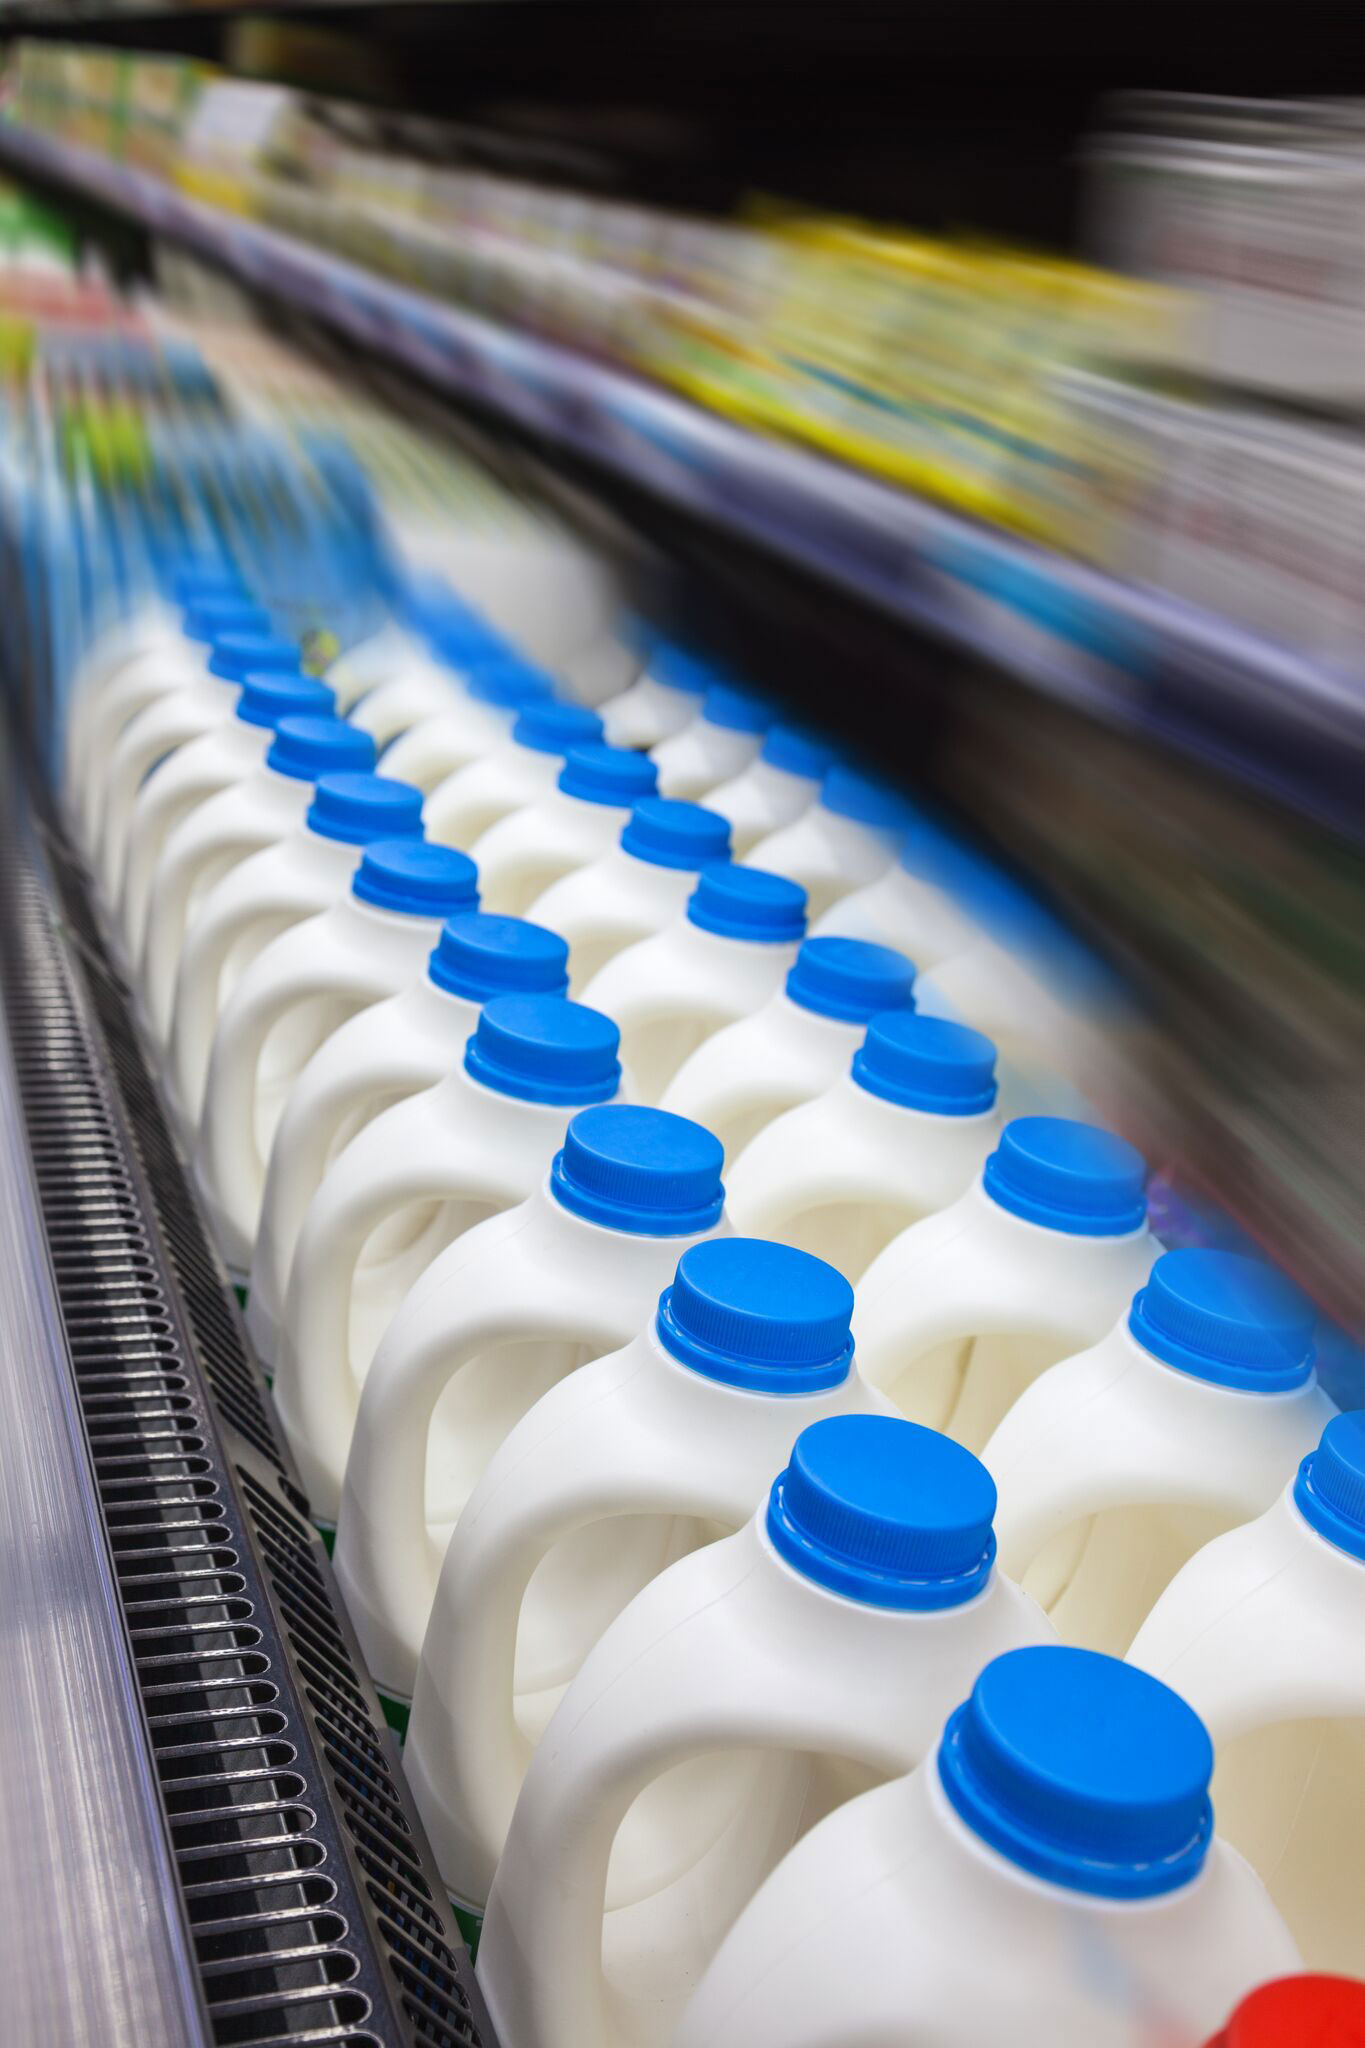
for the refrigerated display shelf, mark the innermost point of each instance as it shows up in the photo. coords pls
(1123, 653)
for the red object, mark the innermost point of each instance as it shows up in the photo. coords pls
(1299, 2012)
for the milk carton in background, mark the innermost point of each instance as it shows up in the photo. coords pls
(380, 1056)
(660, 702)
(619, 1469)
(479, 717)
(898, 1137)
(722, 739)
(964, 1310)
(637, 886)
(422, 1173)
(748, 1690)
(792, 1049)
(781, 782)
(262, 808)
(1050, 1877)
(300, 989)
(718, 962)
(520, 770)
(579, 819)
(847, 838)
(1264, 1632)
(494, 1323)
(1188, 1418)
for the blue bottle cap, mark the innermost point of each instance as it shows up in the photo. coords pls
(599, 774)
(195, 578)
(207, 617)
(670, 834)
(264, 699)
(509, 683)
(305, 748)
(927, 1063)
(1329, 1491)
(416, 878)
(359, 808)
(797, 751)
(549, 727)
(480, 955)
(885, 1512)
(545, 1049)
(678, 669)
(235, 656)
(1082, 1770)
(850, 979)
(1227, 1319)
(1068, 1176)
(427, 604)
(748, 903)
(758, 1315)
(735, 710)
(644, 1171)
(850, 794)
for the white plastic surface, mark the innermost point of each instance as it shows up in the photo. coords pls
(168, 722)
(902, 910)
(613, 902)
(761, 799)
(829, 855)
(436, 746)
(465, 803)
(106, 689)
(523, 853)
(228, 753)
(695, 760)
(647, 711)
(373, 661)
(419, 688)
(1040, 1049)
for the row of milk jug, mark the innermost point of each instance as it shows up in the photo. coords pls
(840, 1042)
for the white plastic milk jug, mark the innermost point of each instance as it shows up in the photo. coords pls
(898, 1137)
(294, 995)
(624, 1466)
(431, 682)
(478, 718)
(519, 771)
(962, 1311)
(908, 906)
(781, 782)
(1264, 1632)
(802, 1039)
(263, 896)
(515, 1305)
(723, 738)
(846, 838)
(263, 808)
(743, 1693)
(573, 823)
(475, 1144)
(720, 960)
(1188, 1418)
(1049, 1877)
(636, 887)
(382, 1055)
(660, 702)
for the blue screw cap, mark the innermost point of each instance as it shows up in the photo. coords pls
(735, 710)
(235, 656)
(195, 578)
(758, 1315)
(748, 903)
(207, 617)
(509, 683)
(1068, 1176)
(928, 1064)
(265, 699)
(797, 751)
(480, 955)
(885, 1512)
(644, 1171)
(359, 808)
(850, 794)
(416, 878)
(306, 748)
(1329, 1491)
(851, 979)
(1227, 1319)
(542, 1048)
(549, 727)
(1082, 1770)
(599, 774)
(678, 669)
(670, 834)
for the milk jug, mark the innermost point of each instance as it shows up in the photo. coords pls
(512, 1307)
(265, 806)
(781, 782)
(727, 953)
(1189, 1417)
(300, 989)
(723, 738)
(580, 818)
(1049, 1877)
(187, 778)
(519, 771)
(963, 1310)
(898, 1137)
(1264, 1631)
(381, 1056)
(847, 838)
(1306, 2010)
(478, 1142)
(741, 1695)
(477, 719)
(263, 896)
(637, 886)
(791, 1050)
(430, 684)
(660, 702)
(908, 906)
(638, 1457)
